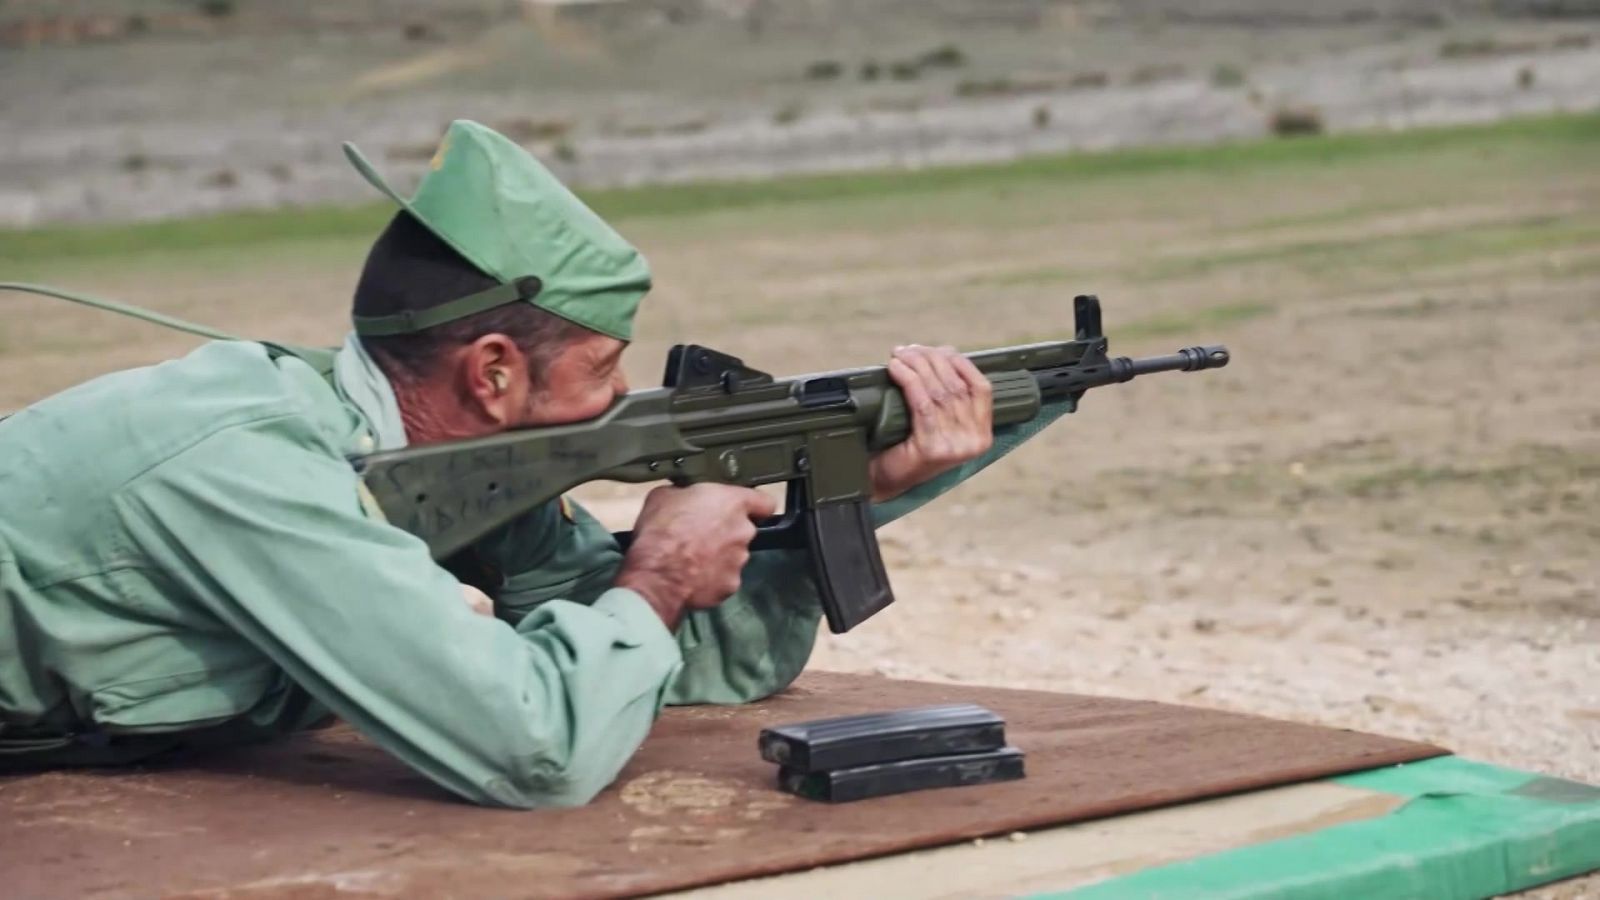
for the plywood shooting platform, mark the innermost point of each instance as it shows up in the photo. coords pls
(326, 814)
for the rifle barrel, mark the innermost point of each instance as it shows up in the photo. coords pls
(1189, 359)
(1070, 381)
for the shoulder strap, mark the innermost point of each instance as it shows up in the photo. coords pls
(318, 358)
(143, 315)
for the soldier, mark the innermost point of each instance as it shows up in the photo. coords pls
(187, 558)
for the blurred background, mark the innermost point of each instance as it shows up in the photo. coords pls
(1382, 515)
(136, 109)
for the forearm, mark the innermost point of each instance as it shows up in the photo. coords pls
(356, 613)
(559, 731)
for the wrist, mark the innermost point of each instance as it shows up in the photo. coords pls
(660, 592)
(883, 487)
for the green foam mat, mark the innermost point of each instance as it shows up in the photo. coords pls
(1467, 830)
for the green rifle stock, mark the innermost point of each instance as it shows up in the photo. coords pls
(719, 420)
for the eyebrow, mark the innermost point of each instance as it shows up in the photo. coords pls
(610, 357)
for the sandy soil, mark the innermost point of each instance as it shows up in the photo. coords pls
(1381, 516)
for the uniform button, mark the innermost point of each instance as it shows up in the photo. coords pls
(365, 443)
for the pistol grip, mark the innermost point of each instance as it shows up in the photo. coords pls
(847, 564)
(833, 522)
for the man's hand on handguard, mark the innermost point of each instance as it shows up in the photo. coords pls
(690, 544)
(952, 418)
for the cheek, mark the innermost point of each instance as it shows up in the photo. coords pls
(560, 407)
(593, 402)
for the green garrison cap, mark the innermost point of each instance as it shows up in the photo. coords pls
(504, 212)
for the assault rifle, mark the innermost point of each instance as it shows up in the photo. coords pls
(716, 419)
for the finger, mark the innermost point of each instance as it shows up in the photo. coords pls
(918, 359)
(981, 393)
(977, 382)
(911, 384)
(942, 361)
(758, 505)
(656, 497)
(957, 418)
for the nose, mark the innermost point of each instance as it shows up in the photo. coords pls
(619, 383)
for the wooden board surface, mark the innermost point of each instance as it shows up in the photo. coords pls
(1070, 856)
(327, 813)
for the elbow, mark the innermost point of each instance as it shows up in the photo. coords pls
(756, 679)
(789, 660)
(784, 672)
(543, 785)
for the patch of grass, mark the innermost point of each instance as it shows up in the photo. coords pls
(824, 70)
(1546, 467)
(1488, 46)
(1428, 305)
(1417, 309)
(416, 151)
(1444, 246)
(947, 56)
(905, 70)
(1578, 135)
(1392, 482)
(1025, 277)
(420, 31)
(1001, 87)
(525, 130)
(1194, 324)
(1455, 49)
(1588, 265)
(894, 104)
(1296, 122)
(1227, 75)
(788, 114)
(1342, 215)
(1154, 73)
(243, 229)
(686, 126)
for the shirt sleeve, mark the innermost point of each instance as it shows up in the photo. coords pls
(1006, 439)
(753, 644)
(265, 529)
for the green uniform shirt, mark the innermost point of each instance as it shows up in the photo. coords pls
(184, 551)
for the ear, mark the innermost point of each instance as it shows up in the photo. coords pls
(493, 380)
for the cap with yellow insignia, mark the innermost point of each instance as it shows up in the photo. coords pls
(505, 213)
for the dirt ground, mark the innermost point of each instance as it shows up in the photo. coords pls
(1381, 516)
(184, 114)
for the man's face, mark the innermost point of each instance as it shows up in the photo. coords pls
(583, 380)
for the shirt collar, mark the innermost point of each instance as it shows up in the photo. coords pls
(359, 381)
